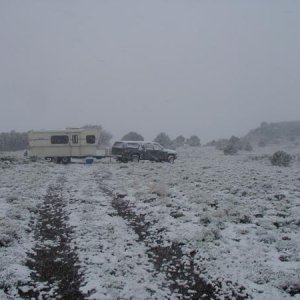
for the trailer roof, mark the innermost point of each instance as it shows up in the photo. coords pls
(67, 130)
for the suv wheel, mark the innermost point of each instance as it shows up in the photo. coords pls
(124, 160)
(65, 160)
(171, 159)
(135, 158)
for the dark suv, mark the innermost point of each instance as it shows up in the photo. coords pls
(134, 151)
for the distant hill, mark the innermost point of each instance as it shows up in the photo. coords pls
(274, 133)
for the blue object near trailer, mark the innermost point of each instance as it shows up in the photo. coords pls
(89, 160)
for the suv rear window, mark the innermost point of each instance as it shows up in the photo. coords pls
(118, 145)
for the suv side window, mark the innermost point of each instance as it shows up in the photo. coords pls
(157, 147)
(149, 146)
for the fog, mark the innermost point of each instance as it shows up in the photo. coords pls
(210, 68)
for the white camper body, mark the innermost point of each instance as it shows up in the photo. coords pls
(61, 145)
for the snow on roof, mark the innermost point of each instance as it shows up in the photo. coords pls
(64, 130)
(140, 142)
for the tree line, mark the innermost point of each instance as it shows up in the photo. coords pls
(163, 139)
(13, 141)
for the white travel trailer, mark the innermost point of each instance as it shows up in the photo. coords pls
(61, 146)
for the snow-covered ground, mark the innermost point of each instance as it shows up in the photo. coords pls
(159, 230)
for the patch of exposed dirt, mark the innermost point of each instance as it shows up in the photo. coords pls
(55, 266)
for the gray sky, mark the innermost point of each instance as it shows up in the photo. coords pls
(211, 68)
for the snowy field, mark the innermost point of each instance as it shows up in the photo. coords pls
(208, 226)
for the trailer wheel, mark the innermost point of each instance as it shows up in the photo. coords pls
(56, 160)
(135, 158)
(65, 160)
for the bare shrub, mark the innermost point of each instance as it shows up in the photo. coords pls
(233, 145)
(281, 158)
(159, 189)
(193, 141)
(12, 199)
(247, 147)
(8, 233)
(209, 234)
(230, 149)
(5, 240)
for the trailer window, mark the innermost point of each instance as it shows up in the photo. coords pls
(74, 139)
(59, 139)
(90, 139)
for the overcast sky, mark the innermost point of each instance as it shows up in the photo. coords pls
(211, 68)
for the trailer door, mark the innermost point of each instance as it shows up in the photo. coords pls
(75, 145)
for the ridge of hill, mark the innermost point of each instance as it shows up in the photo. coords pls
(274, 133)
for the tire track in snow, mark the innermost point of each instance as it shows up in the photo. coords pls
(54, 265)
(114, 263)
(180, 270)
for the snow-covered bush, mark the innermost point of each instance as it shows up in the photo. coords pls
(179, 141)
(236, 141)
(159, 189)
(212, 143)
(221, 144)
(8, 233)
(194, 141)
(247, 146)
(293, 288)
(281, 158)
(233, 145)
(230, 149)
(209, 234)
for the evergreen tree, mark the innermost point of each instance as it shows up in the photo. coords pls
(194, 141)
(179, 141)
(13, 141)
(163, 139)
(132, 136)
